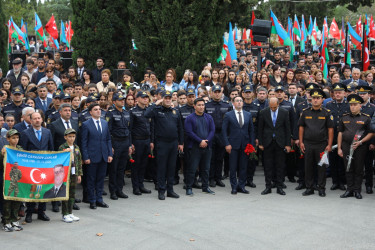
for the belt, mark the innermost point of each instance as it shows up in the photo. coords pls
(141, 137)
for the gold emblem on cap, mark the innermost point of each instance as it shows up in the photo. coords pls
(337, 87)
(168, 93)
(353, 100)
(247, 87)
(311, 87)
(361, 89)
(144, 93)
(120, 96)
(17, 89)
(66, 94)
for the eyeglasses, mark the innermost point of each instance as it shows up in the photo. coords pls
(204, 76)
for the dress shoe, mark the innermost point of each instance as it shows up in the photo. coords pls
(212, 183)
(43, 217)
(121, 195)
(251, 184)
(92, 205)
(102, 204)
(172, 194)
(342, 187)
(357, 195)
(113, 196)
(29, 217)
(322, 193)
(144, 190)
(266, 191)
(334, 186)
(104, 193)
(243, 190)
(161, 196)
(300, 186)
(292, 179)
(208, 191)
(189, 192)
(220, 183)
(347, 194)
(280, 191)
(197, 185)
(77, 200)
(136, 191)
(308, 192)
(55, 208)
(233, 192)
(369, 190)
(75, 207)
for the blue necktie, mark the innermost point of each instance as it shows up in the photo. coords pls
(39, 135)
(274, 119)
(44, 105)
(99, 129)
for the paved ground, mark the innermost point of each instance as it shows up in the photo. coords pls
(221, 221)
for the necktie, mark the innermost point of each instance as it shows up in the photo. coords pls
(99, 128)
(44, 105)
(38, 133)
(240, 119)
(274, 119)
(67, 125)
(56, 191)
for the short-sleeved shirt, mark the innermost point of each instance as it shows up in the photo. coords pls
(350, 125)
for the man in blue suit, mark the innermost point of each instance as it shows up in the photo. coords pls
(96, 153)
(36, 138)
(238, 131)
(26, 123)
(355, 80)
(42, 101)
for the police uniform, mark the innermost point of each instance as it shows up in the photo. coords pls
(217, 110)
(336, 163)
(168, 135)
(118, 125)
(85, 114)
(13, 109)
(352, 126)
(316, 125)
(140, 128)
(54, 115)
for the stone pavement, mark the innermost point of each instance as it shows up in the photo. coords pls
(221, 221)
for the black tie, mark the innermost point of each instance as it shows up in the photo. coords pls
(240, 119)
(67, 124)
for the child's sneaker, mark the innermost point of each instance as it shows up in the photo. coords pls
(67, 219)
(73, 217)
(16, 226)
(8, 228)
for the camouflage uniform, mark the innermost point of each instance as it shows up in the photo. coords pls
(67, 206)
(15, 175)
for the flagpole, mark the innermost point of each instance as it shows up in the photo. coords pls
(346, 40)
(363, 40)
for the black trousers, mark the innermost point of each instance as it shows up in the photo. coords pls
(300, 166)
(201, 160)
(217, 159)
(274, 164)
(336, 165)
(291, 165)
(142, 150)
(116, 169)
(251, 166)
(166, 160)
(369, 169)
(355, 175)
(312, 158)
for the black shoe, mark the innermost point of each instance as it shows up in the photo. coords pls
(29, 217)
(104, 193)
(92, 205)
(161, 196)
(357, 195)
(208, 191)
(121, 195)
(283, 186)
(196, 185)
(266, 191)
(251, 184)
(144, 190)
(220, 183)
(233, 192)
(55, 207)
(342, 187)
(136, 191)
(43, 217)
(114, 196)
(300, 186)
(334, 186)
(243, 190)
(102, 204)
(76, 207)
(212, 183)
(292, 179)
(347, 194)
(308, 192)
(369, 190)
(189, 192)
(280, 191)
(322, 193)
(172, 194)
(77, 200)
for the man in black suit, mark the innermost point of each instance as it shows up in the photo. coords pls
(274, 135)
(36, 138)
(59, 189)
(25, 124)
(15, 74)
(294, 98)
(355, 80)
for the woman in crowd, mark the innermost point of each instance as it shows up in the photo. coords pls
(369, 77)
(72, 73)
(76, 101)
(265, 81)
(318, 75)
(222, 77)
(6, 84)
(275, 78)
(86, 77)
(30, 101)
(105, 83)
(215, 77)
(25, 80)
(289, 78)
(5, 99)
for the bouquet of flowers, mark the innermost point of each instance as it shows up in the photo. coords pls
(151, 155)
(324, 157)
(251, 152)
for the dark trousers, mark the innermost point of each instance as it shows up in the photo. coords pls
(31, 206)
(251, 166)
(237, 168)
(142, 150)
(355, 175)
(300, 166)
(166, 160)
(291, 165)
(274, 164)
(369, 169)
(67, 206)
(186, 162)
(95, 181)
(218, 151)
(312, 158)
(226, 163)
(116, 169)
(336, 165)
(201, 159)
(84, 181)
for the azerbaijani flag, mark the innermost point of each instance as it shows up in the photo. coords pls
(231, 47)
(354, 37)
(18, 34)
(314, 34)
(303, 34)
(324, 57)
(62, 33)
(30, 176)
(296, 27)
(283, 35)
(39, 30)
(311, 24)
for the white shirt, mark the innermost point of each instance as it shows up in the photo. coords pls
(238, 116)
(277, 112)
(96, 124)
(65, 125)
(293, 99)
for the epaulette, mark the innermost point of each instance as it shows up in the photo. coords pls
(366, 114)
(54, 112)
(345, 114)
(326, 109)
(305, 109)
(7, 104)
(74, 111)
(111, 109)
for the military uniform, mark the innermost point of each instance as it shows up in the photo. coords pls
(15, 110)
(15, 175)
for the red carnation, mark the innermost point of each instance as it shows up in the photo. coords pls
(131, 159)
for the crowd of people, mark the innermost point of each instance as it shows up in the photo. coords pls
(221, 122)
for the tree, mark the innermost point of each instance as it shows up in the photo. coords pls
(3, 40)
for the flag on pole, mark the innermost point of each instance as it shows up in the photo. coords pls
(296, 28)
(62, 33)
(51, 28)
(18, 34)
(325, 25)
(358, 27)
(366, 56)
(311, 24)
(282, 34)
(342, 33)
(231, 47)
(324, 57)
(334, 30)
(354, 37)
(347, 46)
(314, 34)
(372, 28)
(39, 30)
(303, 34)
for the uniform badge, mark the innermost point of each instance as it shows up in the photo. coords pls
(331, 117)
(107, 119)
(48, 120)
(174, 112)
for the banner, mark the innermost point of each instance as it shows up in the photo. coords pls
(36, 176)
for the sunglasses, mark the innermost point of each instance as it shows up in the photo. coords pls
(204, 76)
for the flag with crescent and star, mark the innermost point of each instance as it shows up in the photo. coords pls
(42, 175)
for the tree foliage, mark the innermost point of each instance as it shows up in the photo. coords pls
(3, 40)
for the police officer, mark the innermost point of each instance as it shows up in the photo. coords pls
(85, 114)
(16, 106)
(315, 136)
(354, 131)
(169, 137)
(261, 99)
(140, 128)
(64, 98)
(217, 109)
(338, 108)
(118, 124)
(56, 101)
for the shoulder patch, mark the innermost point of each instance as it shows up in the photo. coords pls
(366, 114)
(305, 108)
(345, 114)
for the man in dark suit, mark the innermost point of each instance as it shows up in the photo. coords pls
(25, 124)
(294, 98)
(356, 74)
(36, 138)
(42, 102)
(59, 189)
(237, 132)
(15, 74)
(96, 153)
(274, 135)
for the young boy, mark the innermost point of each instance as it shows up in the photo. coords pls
(75, 174)
(10, 208)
